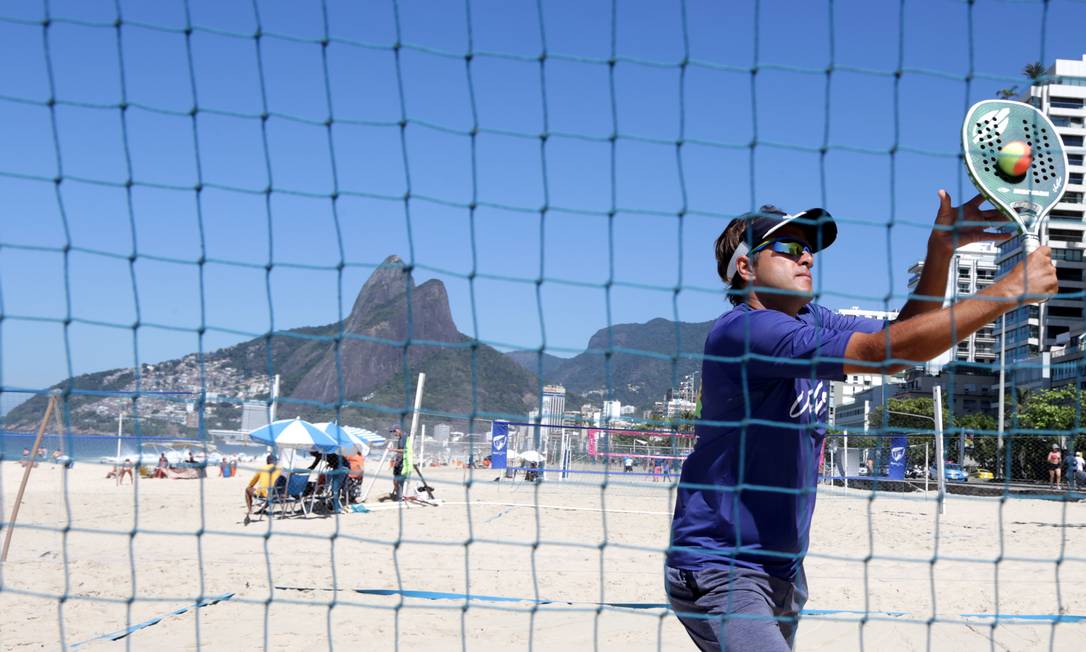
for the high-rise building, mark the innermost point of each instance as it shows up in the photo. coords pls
(1061, 95)
(842, 393)
(612, 410)
(554, 409)
(972, 268)
(688, 387)
(254, 414)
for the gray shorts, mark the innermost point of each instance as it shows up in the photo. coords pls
(731, 609)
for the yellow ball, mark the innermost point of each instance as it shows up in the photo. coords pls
(1015, 158)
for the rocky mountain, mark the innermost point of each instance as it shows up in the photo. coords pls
(632, 363)
(531, 360)
(395, 329)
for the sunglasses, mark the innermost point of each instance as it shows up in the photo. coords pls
(793, 248)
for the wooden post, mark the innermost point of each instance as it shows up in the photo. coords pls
(26, 475)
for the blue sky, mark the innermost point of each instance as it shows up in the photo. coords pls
(615, 209)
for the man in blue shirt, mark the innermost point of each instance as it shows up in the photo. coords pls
(746, 497)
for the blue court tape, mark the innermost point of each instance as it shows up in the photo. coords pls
(1047, 618)
(122, 633)
(440, 595)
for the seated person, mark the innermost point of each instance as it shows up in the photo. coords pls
(355, 475)
(162, 467)
(337, 474)
(262, 482)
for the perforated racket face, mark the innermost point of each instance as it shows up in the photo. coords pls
(992, 125)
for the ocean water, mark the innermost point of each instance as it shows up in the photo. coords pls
(91, 448)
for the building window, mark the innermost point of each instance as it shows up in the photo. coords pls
(1067, 313)
(1065, 102)
(1069, 274)
(1075, 178)
(1072, 255)
(1074, 159)
(1072, 141)
(1065, 121)
(1062, 235)
(1072, 197)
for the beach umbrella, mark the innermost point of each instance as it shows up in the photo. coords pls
(348, 441)
(532, 456)
(294, 433)
(370, 437)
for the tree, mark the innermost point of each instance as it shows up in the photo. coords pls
(1043, 418)
(1034, 71)
(1007, 93)
(978, 427)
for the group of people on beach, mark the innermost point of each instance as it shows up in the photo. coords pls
(1058, 460)
(57, 457)
(336, 479)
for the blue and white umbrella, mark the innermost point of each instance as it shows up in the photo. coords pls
(371, 438)
(347, 442)
(294, 433)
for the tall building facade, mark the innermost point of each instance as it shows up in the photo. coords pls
(1030, 330)
(842, 393)
(972, 268)
(554, 410)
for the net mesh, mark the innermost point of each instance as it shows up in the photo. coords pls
(299, 145)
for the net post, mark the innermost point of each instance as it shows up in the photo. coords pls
(940, 461)
(408, 453)
(26, 475)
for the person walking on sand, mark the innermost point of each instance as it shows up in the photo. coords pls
(1054, 459)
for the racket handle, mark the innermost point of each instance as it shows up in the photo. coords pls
(1032, 242)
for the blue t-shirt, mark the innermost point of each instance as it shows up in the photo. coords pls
(785, 365)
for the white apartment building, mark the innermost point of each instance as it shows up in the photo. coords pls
(1061, 95)
(676, 408)
(611, 411)
(688, 387)
(972, 269)
(842, 393)
(554, 409)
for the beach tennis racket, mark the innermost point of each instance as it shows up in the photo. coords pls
(1016, 160)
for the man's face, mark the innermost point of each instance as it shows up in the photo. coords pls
(791, 275)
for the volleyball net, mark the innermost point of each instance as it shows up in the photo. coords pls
(221, 216)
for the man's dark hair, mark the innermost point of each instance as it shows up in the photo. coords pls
(726, 244)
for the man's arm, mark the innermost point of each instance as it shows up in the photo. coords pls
(955, 226)
(926, 335)
(931, 288)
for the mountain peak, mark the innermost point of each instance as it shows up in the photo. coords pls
(389, 280)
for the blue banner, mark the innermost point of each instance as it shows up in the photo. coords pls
(897, 458)
(499, 444)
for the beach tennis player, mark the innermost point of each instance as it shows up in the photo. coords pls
(734, 572)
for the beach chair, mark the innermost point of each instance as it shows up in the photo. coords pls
(294, 492)
(277, 495)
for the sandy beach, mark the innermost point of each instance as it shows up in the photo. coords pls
(564, 560)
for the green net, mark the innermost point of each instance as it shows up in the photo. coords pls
(219, 216)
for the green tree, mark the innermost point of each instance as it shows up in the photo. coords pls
(1034, 71)
(979, 428)
(1043, 418)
